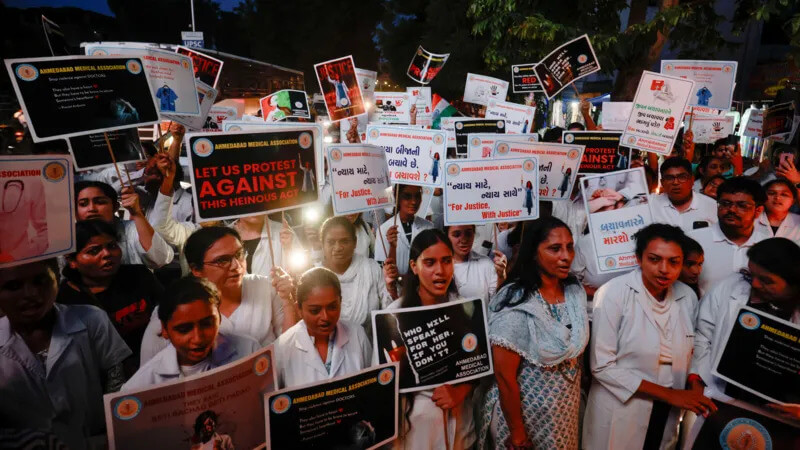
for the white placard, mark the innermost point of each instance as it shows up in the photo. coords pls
(714, 80)
(480, 88)
(519, 118)
(558, 164)
(615, 115)
(481, 145)
(359, 178)
(415, 156)
(754, 122)
(421, 96)
(391, 108)
(207, 96)
(707, 129)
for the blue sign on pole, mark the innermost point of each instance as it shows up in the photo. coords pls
(192, 39)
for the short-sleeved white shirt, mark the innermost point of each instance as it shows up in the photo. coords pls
(702, 209)
(722, 256)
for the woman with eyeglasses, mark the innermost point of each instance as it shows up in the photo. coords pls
(22, 205)
(250, 305)
(94, 275)
(476, 276)
(401, 229)
(776, 220)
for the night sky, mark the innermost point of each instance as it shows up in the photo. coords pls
(100, 6)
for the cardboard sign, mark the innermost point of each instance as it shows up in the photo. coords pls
(206, 68)
(566, 65)
(480, 89)
(354, 129)
(207, 96)
(760, 356)
(36, 208)
(713, 80)
(168, 415)
(55, 38)
(448, 125)
(90, 151)
(558, 164)
(414, 156)
(657, 111)
(481, 145)
(617, 206)
(171, 75)
(445, 343)
(754, 123)
(421, 97)
(488, 191)
(248, 173)
(518, 118)
(217, 115)
(391, 108)
(738, 425)
(602, 153)
(615, 115)
(340, 88)
(67, 96)
(354, 411)
(285, 103)
(359, 178)
(778, 119)
(707, 129)
(425, 65)
(463, 128)
(524, 79)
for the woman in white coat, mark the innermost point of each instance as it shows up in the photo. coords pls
(476, 276)
(402, 231)
(320, 346)
(642, 333)
(250, 305)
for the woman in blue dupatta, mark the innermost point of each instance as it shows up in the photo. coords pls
(538, 329)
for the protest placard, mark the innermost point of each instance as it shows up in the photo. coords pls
(778, 119)
(55, 38)
(554, 184)
(713, 80)
(207, 96)
(425, 204)
(354, 129)
(221, 408)
(391, 108)
(217, 115)
(90, 151)
(617, 206)
(480, 89)
(481, 145)
(708, 129)
(359, 178)
(414, 156)
(425, 65)
(463, 128)
(72, 95)
(770, 347)
(518, 118)
(206, 68)
(615, 115)
(248, 173)
(285, 103)
(438, 344)
(753, 120)
(357, 411)
(421, 97)
(524, 79)
(171, 75)
(367, 79)
(448, 125)
(36, 208)
(488, 191)
(340, 88)
(738, 425)
(602, 153)
(566, 64)
(658, 107)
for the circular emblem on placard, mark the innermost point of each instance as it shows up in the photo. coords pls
(582, 59)
(374, 133)
(304, 140)
(502, 148)
(749, 320)
(475, 142)
(745, 433)
(438, 139)
(27, 72)
(631, 140)
(727, 69)
(133, 66)
(469, 342)
(459, 125)
(281, 404)
(336, 154)
(261, 365)
(185, 64)
(528, 165)
(298, 104)
(344, 102)
(611, 262)
(501, 124)
(569, 138)
(203, 147)
(572, 154)
(668, 67)
(385, 376)
(54, 172)
(516, 69)
(426, 190)
(234, 128)
(532, 139)
(99, 52)
(453, 169)
(127, 408)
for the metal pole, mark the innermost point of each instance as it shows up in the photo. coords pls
(191, 2)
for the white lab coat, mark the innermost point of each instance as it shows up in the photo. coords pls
(476, 278)
(789, 228)
(298, 362)
(159, 255)
(403, 245)
(625, 348)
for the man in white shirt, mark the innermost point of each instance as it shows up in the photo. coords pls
(740, 202)
(677, 204)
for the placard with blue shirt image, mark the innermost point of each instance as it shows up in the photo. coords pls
(353, 412)
(435, 345)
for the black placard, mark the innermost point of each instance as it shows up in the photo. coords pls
(91, 151)
(524, 79)
(732, 427)
(206, 68)
(425, 65)
(567, 64)
(778, 119)
(463, 128)
(603, 153)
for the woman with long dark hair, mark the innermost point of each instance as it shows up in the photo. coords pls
(538, 328)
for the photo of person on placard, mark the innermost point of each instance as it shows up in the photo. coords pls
(342, 98)
(309, 180)
(615, 191)
(23, 219)
(565, 181)
(205, 433)
(528, 203)
(434, 165)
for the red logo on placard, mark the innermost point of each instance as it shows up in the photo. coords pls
(670, 124)
(656, 85)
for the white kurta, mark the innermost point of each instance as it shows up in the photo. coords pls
(298, 362)
(789, 228)
(403, 244)
(363, 291)
(365, 241)
(160, 253)
(476, 278)
(259, 316)
(625, 348)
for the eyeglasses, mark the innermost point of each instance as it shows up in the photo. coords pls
(225, 261)
(682, 178)
(741, 206)
(408, 196)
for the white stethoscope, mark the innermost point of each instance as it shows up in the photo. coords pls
(12, 194)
